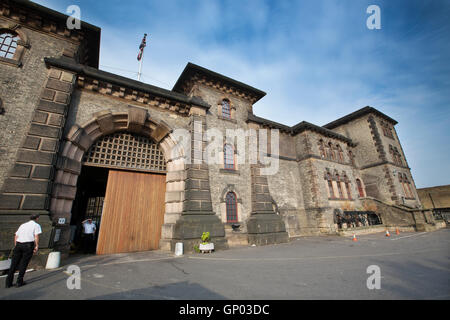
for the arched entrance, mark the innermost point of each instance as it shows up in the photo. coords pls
(122, 189)
(72, 162)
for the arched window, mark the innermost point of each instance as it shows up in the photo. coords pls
(352, 158)
(349, 191)
(402, 182)
(360, 188)
(226, 109)
(341, 154)
(8, 43)
(231, 207)
(339, 187)
(330, 185)
(331, 151)
(228, 156)
(322, 149)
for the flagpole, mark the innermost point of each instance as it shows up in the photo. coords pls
(140, 66)
(141, 55)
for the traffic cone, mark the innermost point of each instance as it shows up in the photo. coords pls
(354, 238)
(396, 231)
(387, 233)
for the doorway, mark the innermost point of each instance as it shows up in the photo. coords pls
(122, 189)
(91, 188)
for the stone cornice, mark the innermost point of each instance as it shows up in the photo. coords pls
(358, 114)
(37, 17)
(299, 128)
(116, 86)
(193, 74)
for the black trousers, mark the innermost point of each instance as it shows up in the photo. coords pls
(22, 254)
(88, 242)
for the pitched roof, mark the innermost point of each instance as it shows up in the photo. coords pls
(299, 128)
(358, 114)
(70, 64)
(192, 69)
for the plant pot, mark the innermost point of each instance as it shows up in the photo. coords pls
(5, 264)
(208, 247)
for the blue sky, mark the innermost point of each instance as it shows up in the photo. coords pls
(316, 60)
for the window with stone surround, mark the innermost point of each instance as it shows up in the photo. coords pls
(329, 182)
(228, 157)
(13, 42)
(352, 158)
(340, 153)
(387, 130)
(347, 187)
(323, 154)
(339, 186)
(360, 188)
(8, 43)
(396, 157)
(330, 152)
(226, 109)
(406, 185)
(231, 204)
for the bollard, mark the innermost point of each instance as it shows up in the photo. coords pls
(179, 249)
(53, 260)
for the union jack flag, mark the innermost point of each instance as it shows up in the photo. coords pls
(141, 47)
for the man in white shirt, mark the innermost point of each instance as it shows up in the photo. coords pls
(89, 229)
(26, 242)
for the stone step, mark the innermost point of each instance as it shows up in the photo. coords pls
(236, 239)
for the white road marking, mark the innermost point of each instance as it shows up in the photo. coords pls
(315, 258)
(412, 235)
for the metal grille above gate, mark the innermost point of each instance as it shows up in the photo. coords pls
(126, 150)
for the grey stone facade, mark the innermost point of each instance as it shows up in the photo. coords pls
(57, 104)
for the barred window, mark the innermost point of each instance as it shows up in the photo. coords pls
(8, 44)
(360, 188)
(226, 110)
(231, 207)
(228, 156)
(126, 150)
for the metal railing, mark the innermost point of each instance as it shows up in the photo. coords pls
(353, 219)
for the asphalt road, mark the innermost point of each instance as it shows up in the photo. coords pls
(411, 265)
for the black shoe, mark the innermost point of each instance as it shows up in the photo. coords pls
(8, 286)
(18, 285)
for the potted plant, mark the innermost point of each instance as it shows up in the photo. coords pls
(206, 246)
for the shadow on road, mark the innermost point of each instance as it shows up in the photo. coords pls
(174, 291)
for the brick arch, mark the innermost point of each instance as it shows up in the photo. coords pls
(80, 138)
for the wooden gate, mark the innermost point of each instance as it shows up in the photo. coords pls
(133, 212)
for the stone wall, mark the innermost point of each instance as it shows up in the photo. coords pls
(20, 90)
(435, 197)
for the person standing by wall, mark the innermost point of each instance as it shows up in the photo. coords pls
(88, 235)
(26, 243)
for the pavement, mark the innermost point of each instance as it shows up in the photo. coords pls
(410, 265)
